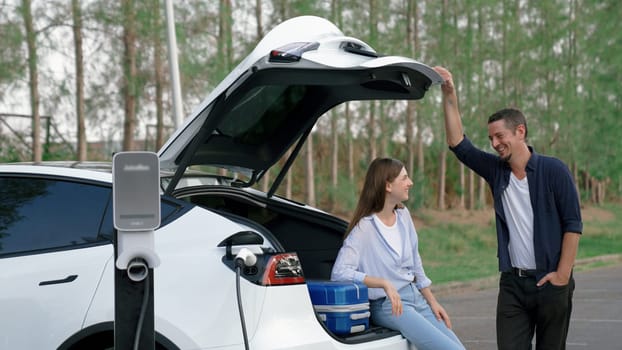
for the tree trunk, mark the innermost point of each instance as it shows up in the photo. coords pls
(482, 192)
(442, 172)
(471, 196)
(289, 180)
(79, 61)
(225, 49)
(481, 53)
(228, 36)
(385, 134)
(594, 189)
(410, 143)
(442, 165)
(373, 33)
(420, 157)
(258, 15)
(575, 176)
(158, 74)
(418, 174)
(334, 173)
(461, 203)
(310, 175)
(281, 10)
(350, 143)
(265, 182)
(371, 127)
(335, 13)
(334, 10)
(37, 154)
(129, 76)
(411, 43)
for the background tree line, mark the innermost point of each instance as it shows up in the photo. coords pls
(90, 73)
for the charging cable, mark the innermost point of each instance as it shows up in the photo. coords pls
(245, 258)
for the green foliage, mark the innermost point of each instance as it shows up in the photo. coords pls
(58, 153)
(459, 252)
(341, 199)
(559, 61)
(9, 154)
(12, 65)
(420, 190)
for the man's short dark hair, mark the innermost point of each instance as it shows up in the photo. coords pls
(512, 118)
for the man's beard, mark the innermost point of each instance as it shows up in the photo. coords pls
(506, 158)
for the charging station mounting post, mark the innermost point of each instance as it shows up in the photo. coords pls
(136, 210)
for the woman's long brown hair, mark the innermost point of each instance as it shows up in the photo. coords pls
(371, 200)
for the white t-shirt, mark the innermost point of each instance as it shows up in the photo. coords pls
(391, 234)
(519, 217)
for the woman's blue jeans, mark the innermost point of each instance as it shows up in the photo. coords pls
(417, 323)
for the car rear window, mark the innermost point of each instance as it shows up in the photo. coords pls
(261, 113)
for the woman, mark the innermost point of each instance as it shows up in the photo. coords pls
(380, 249)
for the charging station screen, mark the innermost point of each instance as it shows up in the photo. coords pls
(136, 191)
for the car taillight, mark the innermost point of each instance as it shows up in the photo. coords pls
(291, 52)
(283, 269)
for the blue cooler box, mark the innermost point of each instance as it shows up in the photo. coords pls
(343, 306)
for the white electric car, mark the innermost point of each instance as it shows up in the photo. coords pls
(57, 260)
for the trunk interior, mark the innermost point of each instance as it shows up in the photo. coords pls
(315, 236)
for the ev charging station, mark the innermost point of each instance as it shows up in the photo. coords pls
(136, 208)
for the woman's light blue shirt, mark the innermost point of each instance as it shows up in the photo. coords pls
(365, 252)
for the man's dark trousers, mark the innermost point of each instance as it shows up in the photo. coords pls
(523, 308)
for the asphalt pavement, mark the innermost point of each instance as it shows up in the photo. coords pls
(596, 321)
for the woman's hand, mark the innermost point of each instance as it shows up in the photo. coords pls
(396, 301)
(394, 297)
(441, 314)
(437, 308)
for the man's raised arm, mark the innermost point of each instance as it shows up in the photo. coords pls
(453, 124)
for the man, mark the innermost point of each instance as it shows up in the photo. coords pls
(538, 221)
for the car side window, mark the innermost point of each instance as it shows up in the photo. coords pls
(46, 214)
(170, 209)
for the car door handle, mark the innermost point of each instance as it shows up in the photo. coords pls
(67, 279)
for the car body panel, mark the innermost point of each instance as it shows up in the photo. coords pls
(58, 170)
(291, 319)
(53, 310)
(190, 269)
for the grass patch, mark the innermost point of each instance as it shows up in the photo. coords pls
(601, 233)
(596, 264)
(453, 253)
(456, 253)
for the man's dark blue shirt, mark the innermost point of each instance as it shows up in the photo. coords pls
(553, 197)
